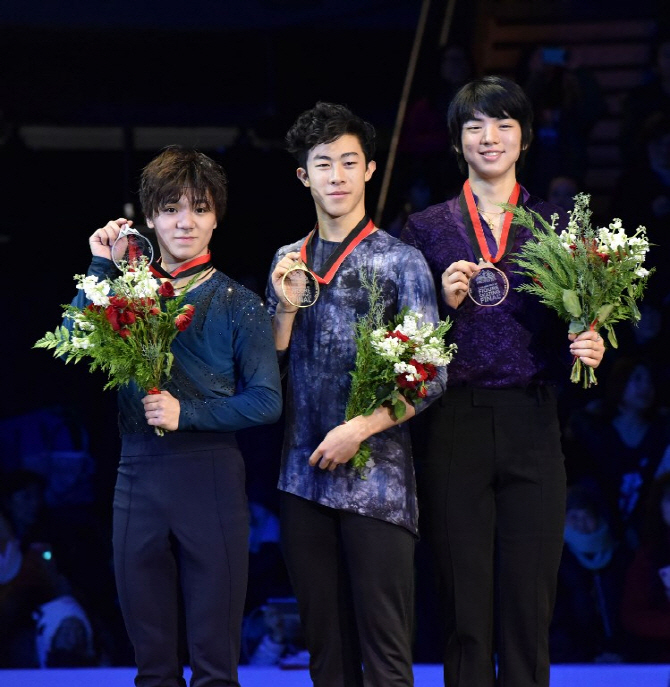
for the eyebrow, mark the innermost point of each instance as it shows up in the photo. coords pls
(327, 157)
(475, 118)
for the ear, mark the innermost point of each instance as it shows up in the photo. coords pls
(370, 170)
(150, 223)
(301, 173)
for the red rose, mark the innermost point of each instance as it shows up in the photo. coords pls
(422, 392)
(127, 317)
(118, 302)
(166, 289)
(397, 335)
(404, 383)
(183, 320)
(420, 370)
(431, 371)
(112, 315)
(124, 333)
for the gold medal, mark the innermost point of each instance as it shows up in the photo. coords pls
(299, 286)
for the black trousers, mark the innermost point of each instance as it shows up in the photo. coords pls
(353, 578)
(492, 490)
(181, 529)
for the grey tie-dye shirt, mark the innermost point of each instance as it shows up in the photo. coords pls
(322, 353)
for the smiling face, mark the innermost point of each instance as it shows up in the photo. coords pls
(336, 174)
(491, 146)
(183, 229)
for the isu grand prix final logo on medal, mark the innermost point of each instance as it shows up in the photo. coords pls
(489, 286)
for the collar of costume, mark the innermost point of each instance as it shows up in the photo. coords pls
(364, 228)
(186, 269)
(473, 224)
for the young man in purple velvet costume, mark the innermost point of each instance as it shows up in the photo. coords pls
(493, 479)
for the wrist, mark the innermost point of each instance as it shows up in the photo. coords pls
(283, 310)
(361, 425)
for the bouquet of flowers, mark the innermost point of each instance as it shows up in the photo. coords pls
(126, 330)
(394, 361)
(591, 276)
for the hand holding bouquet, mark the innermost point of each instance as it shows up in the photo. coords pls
(126, 330)
(394, 361)
(592, 277)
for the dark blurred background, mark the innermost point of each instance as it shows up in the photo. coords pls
(89, 92)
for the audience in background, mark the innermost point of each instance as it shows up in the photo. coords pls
(567, 101)
(646, 596)
(651, 97)
(586, 625)
(642, 195)
(621, 443)
(41, 622)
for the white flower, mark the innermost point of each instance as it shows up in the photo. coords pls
(402, 368)
(81, 322)
(567, 240)
(409, 324)
(390, 347)
(82, 342)
(96, 292)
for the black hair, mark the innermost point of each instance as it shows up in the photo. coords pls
(325, 123)
(178, 171)
(494, 96)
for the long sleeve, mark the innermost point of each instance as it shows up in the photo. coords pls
(257, 396)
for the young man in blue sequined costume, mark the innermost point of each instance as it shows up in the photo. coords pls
(180, 512)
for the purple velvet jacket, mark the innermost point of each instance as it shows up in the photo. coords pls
(514, 344)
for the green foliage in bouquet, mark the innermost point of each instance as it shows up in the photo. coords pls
(126, 330)
(394, 361)
(592, 277)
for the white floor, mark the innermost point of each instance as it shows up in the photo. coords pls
(425, 676)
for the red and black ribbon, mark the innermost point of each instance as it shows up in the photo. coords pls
(475, 230)
(363, 229)
(186, 269)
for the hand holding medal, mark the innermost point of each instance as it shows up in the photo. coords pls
(299, 286)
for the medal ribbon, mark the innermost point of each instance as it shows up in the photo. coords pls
(475, 229)
(186, 269)
(363, 229)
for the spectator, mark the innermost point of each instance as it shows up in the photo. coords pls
(567, 102)
(646, 597)
(621, 443)
(586, 626)
(562, 191)
(33, 597)
(642, 196)
(652, 97)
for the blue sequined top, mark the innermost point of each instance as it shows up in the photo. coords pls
(514, 344)
(225, 373)
(321, 354)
